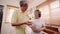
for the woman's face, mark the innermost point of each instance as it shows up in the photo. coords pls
(36, 14)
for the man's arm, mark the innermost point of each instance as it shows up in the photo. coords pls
(17, 24)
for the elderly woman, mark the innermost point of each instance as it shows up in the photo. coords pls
(38, 24)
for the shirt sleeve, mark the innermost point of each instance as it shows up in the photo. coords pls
(14, 18)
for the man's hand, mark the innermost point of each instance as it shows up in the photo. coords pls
(28, 23)
(19, 24)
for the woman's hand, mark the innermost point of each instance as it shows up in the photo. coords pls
(35, 29)
(43, 28)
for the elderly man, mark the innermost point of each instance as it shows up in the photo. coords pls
(20, 19)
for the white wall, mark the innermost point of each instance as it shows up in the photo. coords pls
(34, 3)
(7, 28)
(32, 6)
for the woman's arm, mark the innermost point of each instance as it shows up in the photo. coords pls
(43, 28)
(35, 29)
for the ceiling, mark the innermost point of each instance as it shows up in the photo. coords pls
(33, 3)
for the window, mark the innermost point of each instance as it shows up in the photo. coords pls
(55, 12)
(54, 4)
(45, 13)
(51, 12)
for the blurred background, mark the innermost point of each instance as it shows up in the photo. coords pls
(50, 10)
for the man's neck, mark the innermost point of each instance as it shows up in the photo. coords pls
(38, 18)
(23, 11)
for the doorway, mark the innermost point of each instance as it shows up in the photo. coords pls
(1, 15)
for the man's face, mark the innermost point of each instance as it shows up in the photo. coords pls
(24, 7)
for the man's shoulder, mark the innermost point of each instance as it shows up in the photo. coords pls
(18, 11)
